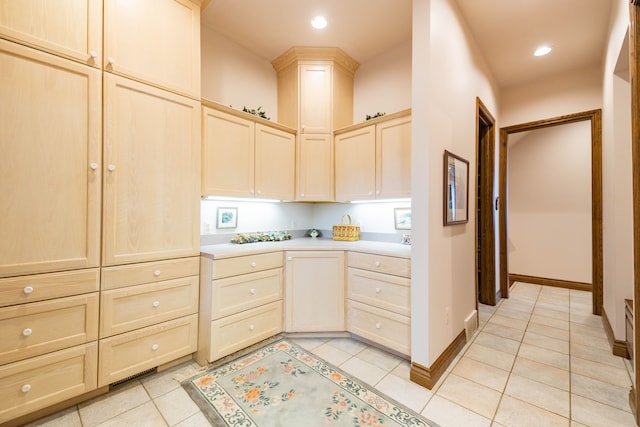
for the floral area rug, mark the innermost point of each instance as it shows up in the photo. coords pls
(282, 385)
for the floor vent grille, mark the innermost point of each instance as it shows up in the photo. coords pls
(133, 377)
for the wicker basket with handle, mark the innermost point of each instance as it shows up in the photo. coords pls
(346, 232)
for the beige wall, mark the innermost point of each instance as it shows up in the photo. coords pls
(448, 75)
(616, 142)
(233, 76)
(383, 84)
(549, 202)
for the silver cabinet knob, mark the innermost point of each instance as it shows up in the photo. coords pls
(26, 332)
(252, 291)
(377, 290)
(25, 388)
(155, 347)
(254, 264)
(252, 327)
(157, 273)
(156, 304)
(111, 168)
(27, 289)
(111, 60)
(93, 166)
(378, 326)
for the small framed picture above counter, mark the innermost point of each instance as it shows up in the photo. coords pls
(402, 218)
(227, 218)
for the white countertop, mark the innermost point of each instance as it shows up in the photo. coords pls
(227, 250)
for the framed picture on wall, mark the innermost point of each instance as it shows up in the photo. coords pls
(402, 218)
(227, 218)
(456, 189)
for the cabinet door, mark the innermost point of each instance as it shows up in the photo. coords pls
(315, 168)
(155, 41)
(275, 156)
(314, 291)
(152, 174)
(45, 24)
(227, 155)
(315, 98)
(393, 158)
(355, 164)
(50, 180)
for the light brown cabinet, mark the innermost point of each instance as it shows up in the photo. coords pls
(154, 41)
(152, 173)
(314, 291)
(245, 156)
(45, 25)
(50, 167)
(379, 300)
(240, 303)
(315, 96)
(383, 150)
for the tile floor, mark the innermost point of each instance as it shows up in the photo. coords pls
(538, 359)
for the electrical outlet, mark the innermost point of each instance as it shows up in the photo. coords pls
(207, 227)
(446, 315)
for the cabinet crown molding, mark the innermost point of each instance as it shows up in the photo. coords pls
(308, 53)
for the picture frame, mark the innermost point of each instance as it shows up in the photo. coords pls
(227, 218)
(456, 189)
(402, 218)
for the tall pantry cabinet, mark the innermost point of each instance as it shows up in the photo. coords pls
(63, 283)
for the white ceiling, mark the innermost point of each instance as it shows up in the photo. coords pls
(506, 31)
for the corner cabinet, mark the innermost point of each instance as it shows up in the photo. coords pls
(383, 149)
(246, 156)
(315, 96)
(314, 291)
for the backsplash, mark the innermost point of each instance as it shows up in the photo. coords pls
(376, 220)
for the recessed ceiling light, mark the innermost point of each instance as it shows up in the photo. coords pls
(542, 50)
(319, 22)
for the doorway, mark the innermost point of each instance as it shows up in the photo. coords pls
(485, 230)
(595, 119)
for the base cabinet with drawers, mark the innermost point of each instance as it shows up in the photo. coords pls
(48, 344)
(148, 316)
(241, 303)
(379, 299)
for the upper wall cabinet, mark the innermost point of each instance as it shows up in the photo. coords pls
(154, 41)
(50, 166)
(383, 149)
(152, 173)
(245, 156)
(315, 89)
(315, 96)
(70, 28)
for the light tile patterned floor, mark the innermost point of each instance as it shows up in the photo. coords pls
(538, 359)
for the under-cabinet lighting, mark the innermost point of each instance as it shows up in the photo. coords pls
(382, 201)
(239, 199)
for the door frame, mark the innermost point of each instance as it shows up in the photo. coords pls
(485, 247)
(634, 76)
(595, 117)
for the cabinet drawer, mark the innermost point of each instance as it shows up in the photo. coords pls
(127, 354)
(35, 383)
(137, 274)
(235, 294)
(385, 291)
(246, 264)
(134, 307)
(20, 290)
(383, 327)
(380, 263)
(32, 329)
(236, 332)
